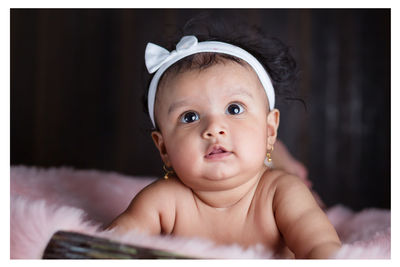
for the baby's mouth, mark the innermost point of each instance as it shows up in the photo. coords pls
(216, 152)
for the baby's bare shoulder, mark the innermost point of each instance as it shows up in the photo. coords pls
(163, 191)
(276, 185)
(153, 209)
(288, 183)
(277, 179)
(273, 179)
(290, 196)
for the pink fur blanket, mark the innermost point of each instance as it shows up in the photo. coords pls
(44, 201)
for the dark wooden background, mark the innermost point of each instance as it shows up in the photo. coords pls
(76, 83)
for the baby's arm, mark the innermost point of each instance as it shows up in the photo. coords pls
(144, 212)
(304, 226)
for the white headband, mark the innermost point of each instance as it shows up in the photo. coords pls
(160, 59)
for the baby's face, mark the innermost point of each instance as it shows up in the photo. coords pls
(213, 125)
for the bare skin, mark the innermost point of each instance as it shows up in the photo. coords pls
(259, 215)
(222, 190)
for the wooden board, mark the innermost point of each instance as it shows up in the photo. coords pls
(71, 245)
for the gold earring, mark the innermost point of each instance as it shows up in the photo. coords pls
(269, 159)
(167, 172)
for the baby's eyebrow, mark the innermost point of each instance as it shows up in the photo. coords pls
(239, 92)
(177, 105)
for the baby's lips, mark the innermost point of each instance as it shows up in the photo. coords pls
(215, 149)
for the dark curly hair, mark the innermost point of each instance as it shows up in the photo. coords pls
(273, 54)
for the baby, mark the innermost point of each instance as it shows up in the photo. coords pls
(212, 106)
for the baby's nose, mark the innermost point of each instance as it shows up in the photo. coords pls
(214, 129)
(208, 134)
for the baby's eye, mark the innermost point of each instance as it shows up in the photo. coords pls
(234, 109)
(189, 117)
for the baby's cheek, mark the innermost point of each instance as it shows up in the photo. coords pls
(253, 143)
(183, 156)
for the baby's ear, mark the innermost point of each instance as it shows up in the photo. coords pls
(159, 142)
(272, 127)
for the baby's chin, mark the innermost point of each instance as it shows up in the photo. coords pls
(218, 175)
(208, 180)
(215, 182)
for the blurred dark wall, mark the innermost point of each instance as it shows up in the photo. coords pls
(76, 87)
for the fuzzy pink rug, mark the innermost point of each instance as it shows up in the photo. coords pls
(44, 201)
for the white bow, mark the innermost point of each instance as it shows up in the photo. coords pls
(155, 56)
